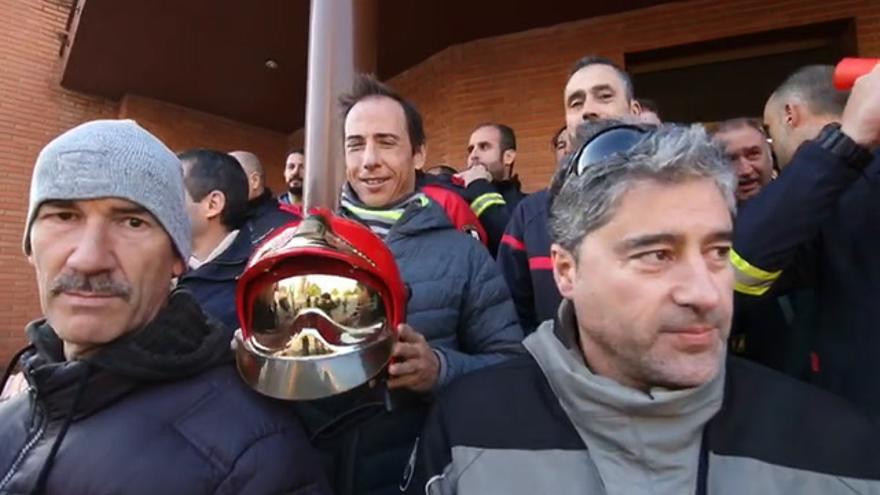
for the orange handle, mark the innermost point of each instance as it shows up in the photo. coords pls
(850, 69)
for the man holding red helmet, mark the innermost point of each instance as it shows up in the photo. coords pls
(458, 301)
(327, 304)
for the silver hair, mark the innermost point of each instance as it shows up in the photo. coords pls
(671, 154)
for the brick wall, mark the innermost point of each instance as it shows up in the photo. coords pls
(516, 79)
(33, 109)
(182, 128)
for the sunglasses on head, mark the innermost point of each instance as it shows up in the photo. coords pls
(617, 139)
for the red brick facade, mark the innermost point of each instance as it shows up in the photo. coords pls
(516, 79)
(33, 109)
(182, 128)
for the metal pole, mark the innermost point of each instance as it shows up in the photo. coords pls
(331, 72)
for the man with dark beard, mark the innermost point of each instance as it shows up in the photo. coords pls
(294, 171)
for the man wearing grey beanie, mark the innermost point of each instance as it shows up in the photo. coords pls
(123, 370)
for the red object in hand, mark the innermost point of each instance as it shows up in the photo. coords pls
(850, 69)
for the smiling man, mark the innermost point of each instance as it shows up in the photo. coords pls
(129, 382)
(628, 391)
(459, 315)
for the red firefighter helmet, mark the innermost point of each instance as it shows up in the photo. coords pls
(319, 303)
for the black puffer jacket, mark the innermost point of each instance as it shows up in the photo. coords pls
(156, 411)
(264, 215)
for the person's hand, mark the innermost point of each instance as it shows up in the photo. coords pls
(414, 364)
(861, 117)
(478, 171)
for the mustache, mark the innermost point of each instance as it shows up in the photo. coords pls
(101, 284)
(714, 318)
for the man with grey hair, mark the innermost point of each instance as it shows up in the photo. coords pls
(130, 383)
(746, 146)
(817, 226)
(629, 390)
(775, 331)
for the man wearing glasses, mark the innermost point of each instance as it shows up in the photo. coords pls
(629, 390)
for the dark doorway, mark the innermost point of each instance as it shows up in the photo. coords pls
(732, 77)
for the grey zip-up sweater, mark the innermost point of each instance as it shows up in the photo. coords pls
(543, 423)
(639, 443)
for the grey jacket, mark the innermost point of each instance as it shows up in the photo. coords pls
(544, 423)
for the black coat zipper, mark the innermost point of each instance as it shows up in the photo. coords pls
(22, 455)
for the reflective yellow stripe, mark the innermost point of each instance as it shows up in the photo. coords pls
(751, 270)
(750, 279)
(389, 215)
(485, 206)
(751, 291)
(484, 201)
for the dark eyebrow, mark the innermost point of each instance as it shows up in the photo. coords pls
(643, 241)
(577, 94)
(601, 87)
(130, 210)
(721, 235)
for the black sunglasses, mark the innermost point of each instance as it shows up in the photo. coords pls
(618, 139)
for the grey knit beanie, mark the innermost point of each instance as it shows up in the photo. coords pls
(113, 158)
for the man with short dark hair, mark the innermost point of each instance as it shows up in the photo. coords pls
(629, 390)
(493, 147)
(264, 214)
(131, 387)
(816, 226)
(597, 90)
(491, 188)
(459, 316)
(294, 173)
(216, 201)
